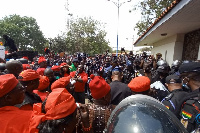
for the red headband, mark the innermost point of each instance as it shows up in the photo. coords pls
(60, 104)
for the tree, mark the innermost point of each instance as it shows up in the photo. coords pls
(150, 11)
(58, 44)
(24, 31)
(86, 35)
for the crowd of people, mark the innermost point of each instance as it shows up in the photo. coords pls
(77, 93)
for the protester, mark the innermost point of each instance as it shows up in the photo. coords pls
(42, 89)
(141, 85)
(30, 80)
(100, 110)
(81, 78)
(57, 114)
(42, 65)
(50, 74)
(64, 70)
(64, 82)
(74, 65)
(12, 119)
(14, 67)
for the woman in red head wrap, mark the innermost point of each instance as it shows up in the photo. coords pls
(57, 114)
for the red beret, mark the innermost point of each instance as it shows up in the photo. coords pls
(55, 68)
(40, 71)
(60, 83)
(7, 83)
(28, 74)
(44, 83)
(63, 64)
(98, 86)
(139, 84)
(25, 57)
(41, 59)
(26, 66)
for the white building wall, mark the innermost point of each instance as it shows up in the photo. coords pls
(166, 48)
(178, 48)
(171, 48)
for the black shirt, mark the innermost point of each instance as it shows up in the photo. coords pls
(173, 101)
(119, 91)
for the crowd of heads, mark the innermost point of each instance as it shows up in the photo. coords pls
(50, 80)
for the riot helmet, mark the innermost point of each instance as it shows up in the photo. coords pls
(143, 114)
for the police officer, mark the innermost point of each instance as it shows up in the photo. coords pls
(172, 101)
(174, 67)
(190, 113)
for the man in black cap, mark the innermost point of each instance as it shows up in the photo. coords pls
(119, 90)
(190, 75)
(172, 101)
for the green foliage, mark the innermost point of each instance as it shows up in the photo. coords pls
(86, 35)
(150, 11)
(24, 31)
(58, 44)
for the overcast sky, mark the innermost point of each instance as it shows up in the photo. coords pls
(51, 16)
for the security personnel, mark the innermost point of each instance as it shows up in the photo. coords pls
(190, 113)
(172, 101)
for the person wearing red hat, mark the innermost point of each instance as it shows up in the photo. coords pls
(64, 82)
(64, 70)
(42, 89)
(58, 114)
(81, 79)
(56, 71)
(101, 109)
(43, 65)
(12, 119)
(30, 80)
(26, 66)
(140, 85)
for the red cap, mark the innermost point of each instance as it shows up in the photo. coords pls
(140, 84)
(63, 64)
(60, 83)
(25, 57)
(41, 59)
(28, 74)
(59, 104)
(26, 66)
(7, 83)
(44, 83)
(55, 68)
(98, 86)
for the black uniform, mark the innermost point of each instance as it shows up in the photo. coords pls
(172, 101)
(119, 91)
(190, 112)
